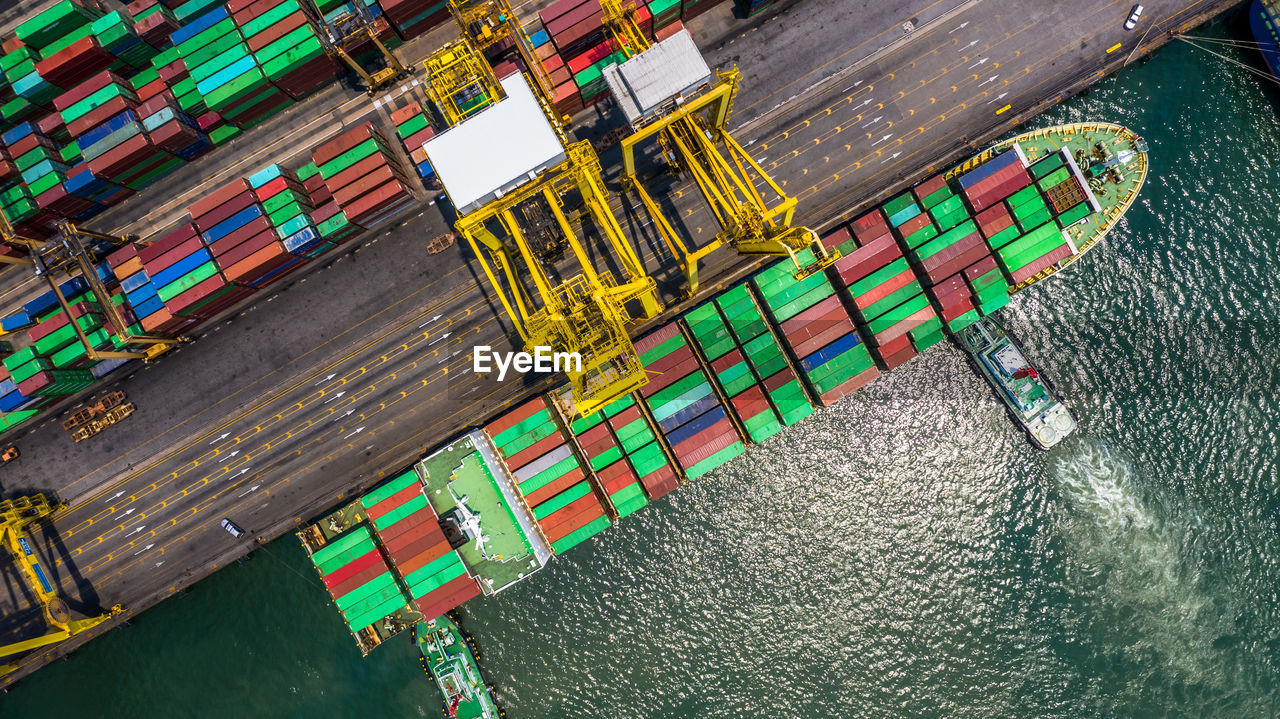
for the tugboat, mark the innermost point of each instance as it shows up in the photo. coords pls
(449, 657)
(1027, 395)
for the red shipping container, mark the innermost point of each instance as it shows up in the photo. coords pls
(950, 313)
(849, 386)
(243, 242)
(536, 450)
(568, 524)
(354, 567)
(554, 487)
(515, 416)
(705, 451)
(174, 238)
(1031, 270)
(906, 325)
(870, 226)
(356, 581)
(704, 438)
(954, 266)
(724, 362)
(980, 268)
(394, 502)
(624, 418)
(818, 311)
(928, 187)
(884, 289)
(915, 224)
(192, 300)
(893, 346)
(822, 339)
(257, 265)
(447, 597)
(363, 209)
(243, 201)
(867, 259)
(208, 203)
(957, 248)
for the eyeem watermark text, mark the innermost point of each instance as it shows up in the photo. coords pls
(542, 361)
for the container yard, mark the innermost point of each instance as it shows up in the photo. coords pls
(108, 103)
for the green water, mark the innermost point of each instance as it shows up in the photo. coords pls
(905, 553)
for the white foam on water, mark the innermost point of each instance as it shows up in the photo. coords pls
(1129, 559)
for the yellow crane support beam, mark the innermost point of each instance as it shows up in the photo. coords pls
(695, 141)
(347, 31)
(489, 22)
(16, 515)
(460, 82)
(67, 254)
(589, 314)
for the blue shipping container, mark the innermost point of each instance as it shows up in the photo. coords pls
(831, 351)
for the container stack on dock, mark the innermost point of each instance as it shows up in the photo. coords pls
(684, 404)
(365, 177)
(605, 456)
(823, 339)
(409, 530)
(186, 279)
(414, 128)
(285, 44)
(548, 474)
(288, 208)
(55, 363)
(239, 233)
(575, 47)
(412, 18)
(357, 577)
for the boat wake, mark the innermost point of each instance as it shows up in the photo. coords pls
(1138, 579)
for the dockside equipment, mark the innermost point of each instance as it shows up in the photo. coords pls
(15, 516)
(667, 92)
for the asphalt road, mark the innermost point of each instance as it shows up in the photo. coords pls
(271, 422)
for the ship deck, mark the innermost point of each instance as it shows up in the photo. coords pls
(459, 473)
(1086, 143)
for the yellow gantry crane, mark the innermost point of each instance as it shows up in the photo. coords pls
(460, 82)
(347, 31)
(66, 254)
(688, 121)
(520, 224)
(487, 23)
(15, 516)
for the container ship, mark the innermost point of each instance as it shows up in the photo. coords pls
(1264, 23)
(494, 506)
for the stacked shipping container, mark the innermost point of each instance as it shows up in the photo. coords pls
(357, 577)
(638, 441)
(364, 176)
(598, 444)
(414, 128)
(548, 474)
(826, 345)
(735, 376)
(409, 529)
(683, 403)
